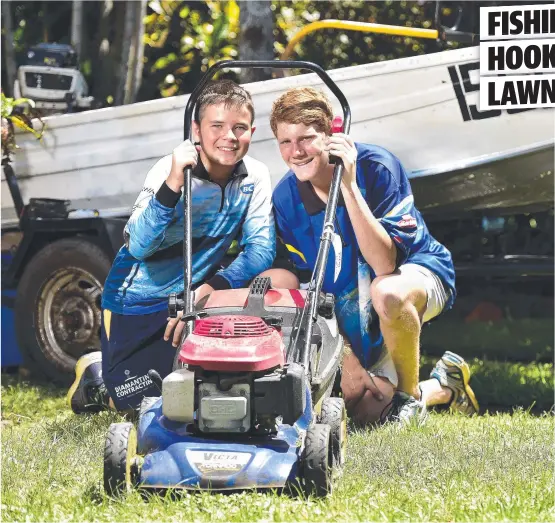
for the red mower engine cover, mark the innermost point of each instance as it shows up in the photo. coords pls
(233, 343)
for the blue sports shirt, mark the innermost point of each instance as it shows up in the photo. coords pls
(149, 266)
(384, 184)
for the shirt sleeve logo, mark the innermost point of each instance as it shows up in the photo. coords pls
(407, 222)
(247, 188)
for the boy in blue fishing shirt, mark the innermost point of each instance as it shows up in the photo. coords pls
(231, 200)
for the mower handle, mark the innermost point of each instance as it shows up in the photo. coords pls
(310, 311)
(264, 64)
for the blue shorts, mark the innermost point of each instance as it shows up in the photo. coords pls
(131, 346)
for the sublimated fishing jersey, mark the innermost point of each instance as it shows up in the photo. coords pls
(149, 266)
(385, 187)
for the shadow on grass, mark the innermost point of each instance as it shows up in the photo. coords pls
(500, 386)
(24, 398)
(173, 494)
(94, 493)
(47, 388)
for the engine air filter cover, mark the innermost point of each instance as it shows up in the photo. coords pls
(233, 344)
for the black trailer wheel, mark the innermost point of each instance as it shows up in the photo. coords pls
(121, 471)
(317, 461)
(57, 308)
(334, 414)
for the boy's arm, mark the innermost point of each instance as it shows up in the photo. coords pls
(258, 240)
(154, 209)
(393, 205)
(374, 243)
(152, 213)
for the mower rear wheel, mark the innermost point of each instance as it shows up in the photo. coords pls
(318, 461)
(120, 459)
(334, 414)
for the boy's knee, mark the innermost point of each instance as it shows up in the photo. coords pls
(387, 300)
(393, 297)
(282, 278)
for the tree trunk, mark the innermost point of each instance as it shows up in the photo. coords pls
(102, 63)
(131, 69)
(11, 66)
(117, 48)
(126, 65)
(77, 26)
(256, 37)
(109, 42)
(139, 59)
(45, 22)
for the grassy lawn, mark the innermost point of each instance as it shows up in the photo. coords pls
(495, 467)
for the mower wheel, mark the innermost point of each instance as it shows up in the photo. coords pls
(121, 470)
(334, 414)
(317, 461)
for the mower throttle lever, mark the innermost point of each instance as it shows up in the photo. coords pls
(156, 379)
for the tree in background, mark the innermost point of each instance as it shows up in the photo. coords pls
(256, 23)
(9, 62)
(132, 53)
(183, 39)
(333, 48)
(138, 51)
(77, 25)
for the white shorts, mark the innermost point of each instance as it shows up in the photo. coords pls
(437, 298)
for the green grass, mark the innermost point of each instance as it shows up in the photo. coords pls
(495, 467)
(523, 339)
(506, 385)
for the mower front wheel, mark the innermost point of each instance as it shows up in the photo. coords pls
(121, 470)
(334, 414)
(318, 461)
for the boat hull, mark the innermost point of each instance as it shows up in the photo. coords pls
(423, 109)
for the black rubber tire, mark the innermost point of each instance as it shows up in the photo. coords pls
(120, 452)
(334, 414)
(317, 461)
(43, 358)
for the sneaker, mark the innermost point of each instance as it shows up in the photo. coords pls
(405, 409)
(88, 392)
(453, 372)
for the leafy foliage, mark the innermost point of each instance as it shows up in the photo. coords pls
(332, 48)
(196, 36)
(18, 113)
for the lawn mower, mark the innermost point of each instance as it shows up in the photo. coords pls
(253, 401)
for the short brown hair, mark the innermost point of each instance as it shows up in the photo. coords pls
(226, 92)
(304, 105)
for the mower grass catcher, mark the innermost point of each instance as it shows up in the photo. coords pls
(252, 402)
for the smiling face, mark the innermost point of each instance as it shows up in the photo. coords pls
(225, 134)
(302, 149)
